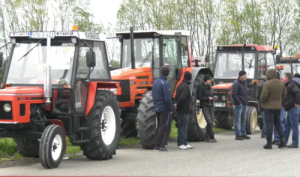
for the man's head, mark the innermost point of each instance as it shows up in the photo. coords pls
(243, 75)
(297, 75)
(207, 79)
(164, 71)
(287, 77)
(187, 76)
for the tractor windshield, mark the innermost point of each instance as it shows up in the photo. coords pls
(146, 49)
(29, 61)
(228, 65)
(287, 68)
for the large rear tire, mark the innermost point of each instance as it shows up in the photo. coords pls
(222, 121)
(146, 121)
(28, 147)
(251, 119)
(104, 127)
(52, 146)
(129, 125)
(197, 124)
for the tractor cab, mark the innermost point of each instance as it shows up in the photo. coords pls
(255, 60)
(289, 64)
(58, 84)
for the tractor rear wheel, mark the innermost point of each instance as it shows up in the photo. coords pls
(197, 123)
(27, 147)
(222, 120)
(52, 146)
(146, 121)
(251, 119)
(129, 125)
(104, 127)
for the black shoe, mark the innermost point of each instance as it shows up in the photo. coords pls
(209, 140)
(246, 137)
(214, 140)
(281, 144)
(268, 146)
(263, 135)
(275, 142)
(292, 146)
(239, 138)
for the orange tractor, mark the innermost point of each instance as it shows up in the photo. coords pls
(255, 60)
(143, 53)
(57, 84)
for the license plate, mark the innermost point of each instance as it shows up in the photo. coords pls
(41, 35)
(219, 104)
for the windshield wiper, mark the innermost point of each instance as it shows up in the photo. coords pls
(30, 50)
(145, 59)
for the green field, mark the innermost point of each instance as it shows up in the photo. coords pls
(8, 147)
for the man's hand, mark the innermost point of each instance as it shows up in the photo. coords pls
(211, 98)
(296, 105)
(241, 104)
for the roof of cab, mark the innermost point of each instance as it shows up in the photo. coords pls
(160, 32)
(257, 47)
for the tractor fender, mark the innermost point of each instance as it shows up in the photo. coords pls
(253, 103)
(200, 70)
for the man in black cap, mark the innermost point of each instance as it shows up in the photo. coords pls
(163, 106)
(240, 100)
(205, 95)
(183, 102)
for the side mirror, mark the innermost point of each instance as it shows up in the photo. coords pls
(277, 59)
(178, 37)
(90, 59)
(1, 59)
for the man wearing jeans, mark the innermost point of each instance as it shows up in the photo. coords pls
(183, 105)
(240, 100)
(291, 105)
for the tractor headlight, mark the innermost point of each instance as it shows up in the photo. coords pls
(224, 97)
(7, 107)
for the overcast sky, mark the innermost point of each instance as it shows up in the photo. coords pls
(105, 10)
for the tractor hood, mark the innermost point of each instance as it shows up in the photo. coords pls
(223, 86)
(22, 91)
(128, 73)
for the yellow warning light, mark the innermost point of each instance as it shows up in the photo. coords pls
(298, 55)
(281, 66)
(75, 27)
(276, 47)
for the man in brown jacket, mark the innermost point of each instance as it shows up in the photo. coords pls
(273, 93)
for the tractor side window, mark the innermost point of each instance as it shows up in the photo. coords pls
(170, 56)
(184, 52)
(262, 65)
(100, 71)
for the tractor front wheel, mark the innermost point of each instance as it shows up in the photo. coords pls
(197, 124)
(27, 147)
(104, 127)
(251, 119)
(52, 146)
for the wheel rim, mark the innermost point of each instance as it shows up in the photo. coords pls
(56, 147)
(200, 117)
(253, 123)
(108, 125)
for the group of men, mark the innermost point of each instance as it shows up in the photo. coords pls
(164, 108)
(276, 97)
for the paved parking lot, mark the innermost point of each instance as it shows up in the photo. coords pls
(228, 157)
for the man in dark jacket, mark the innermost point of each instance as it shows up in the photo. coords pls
(291, 105)
(163, 106)
(271, 101)
(184, 105)
(240, 100)
(205, 95)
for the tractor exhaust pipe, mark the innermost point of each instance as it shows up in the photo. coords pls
(48, 76)
(132, 48)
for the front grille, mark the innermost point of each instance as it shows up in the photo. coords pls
(5, 115)
(220, 102)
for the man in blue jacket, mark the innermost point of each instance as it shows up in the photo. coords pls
(240, 100)
(163, 106)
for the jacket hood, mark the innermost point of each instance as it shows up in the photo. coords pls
(272, 74)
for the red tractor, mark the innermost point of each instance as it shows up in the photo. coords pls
(143, 53)
(255, 60)
(57, 84)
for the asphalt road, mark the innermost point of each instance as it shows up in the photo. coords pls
(227, 157)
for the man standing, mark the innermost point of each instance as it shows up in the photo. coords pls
(271, 101)
(291, 104)
(205, 95)
(183, 105)
(240, 100)
(163, 106)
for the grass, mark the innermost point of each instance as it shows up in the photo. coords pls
(8, 149)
